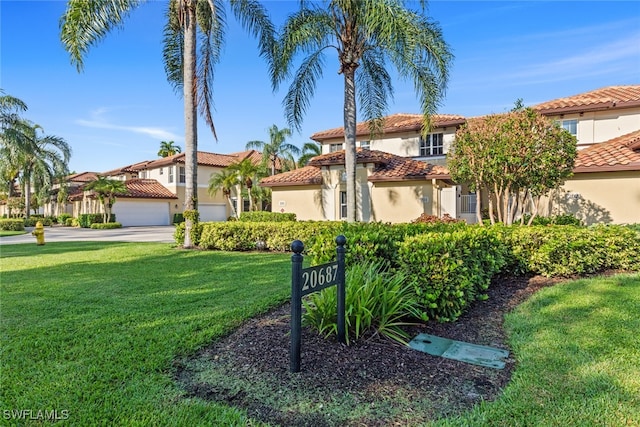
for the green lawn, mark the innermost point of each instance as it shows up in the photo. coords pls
(93, 329)
(11, 233)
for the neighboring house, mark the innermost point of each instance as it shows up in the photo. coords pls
(605, 187)
(156, 189)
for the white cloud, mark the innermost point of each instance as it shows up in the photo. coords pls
(99, 121)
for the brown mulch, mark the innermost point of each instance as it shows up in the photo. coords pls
(361, 384)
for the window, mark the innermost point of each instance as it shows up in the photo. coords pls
(431, 145)
(143, 174)
(570, 125)
(335, 147)
(365, 144)
(182, 178)
(343, 204)
(170, 169)
(161, 171)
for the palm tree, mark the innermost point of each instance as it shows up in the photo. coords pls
(10, 142)
(38, 158)
(225, 180)
(107, 190)
(168, 149)
(367, 35)
(87, 22)
(276, 147)
(246, 172)
(309, 150)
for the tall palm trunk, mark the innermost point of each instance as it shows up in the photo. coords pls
(350, 141)
(190, 117)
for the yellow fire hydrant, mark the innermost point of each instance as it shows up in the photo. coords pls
(39, 233)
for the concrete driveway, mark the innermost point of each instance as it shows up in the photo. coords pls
(161, 234)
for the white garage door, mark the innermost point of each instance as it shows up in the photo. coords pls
(212, 212)
(139, 213)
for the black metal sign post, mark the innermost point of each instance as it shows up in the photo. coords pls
(313, 279)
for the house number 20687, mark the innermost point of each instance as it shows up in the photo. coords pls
(317, 278)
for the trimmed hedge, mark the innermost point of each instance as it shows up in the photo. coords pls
(85, 220)
(11, 224)
(106, 226)
(264, 216)
(451, 270)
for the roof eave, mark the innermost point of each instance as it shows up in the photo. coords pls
(635, 166)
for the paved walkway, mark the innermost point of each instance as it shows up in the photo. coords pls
(162, 234)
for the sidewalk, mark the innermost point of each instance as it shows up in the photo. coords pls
(161, 234)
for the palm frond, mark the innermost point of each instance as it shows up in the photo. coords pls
(86, 22)
(374, 88)
(303, 88)
(173, 47)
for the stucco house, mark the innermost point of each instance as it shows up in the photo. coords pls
(156, 189)
(605, 186)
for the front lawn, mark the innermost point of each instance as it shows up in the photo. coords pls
(4, 233)
(93, 331)
(93, 328)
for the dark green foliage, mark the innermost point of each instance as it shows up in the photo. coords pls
(377, 301)
(263, 216)
(33, 219)
(85, 220)
(106, 226)
(569, 250)
(564, 219)
(451, 270)
(178, 218)
(11, 224)
(62, 218)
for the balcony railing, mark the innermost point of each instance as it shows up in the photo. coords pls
(467, 203)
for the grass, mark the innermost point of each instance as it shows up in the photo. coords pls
(93, 329)
(4, 233)
(578, 351)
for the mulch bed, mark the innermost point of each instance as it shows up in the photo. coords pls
(374, 374)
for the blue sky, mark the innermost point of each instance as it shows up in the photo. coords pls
(120, 107)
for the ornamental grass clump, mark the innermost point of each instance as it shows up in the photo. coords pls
(377, 302)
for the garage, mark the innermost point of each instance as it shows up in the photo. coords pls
(212, 212)
(132, 213)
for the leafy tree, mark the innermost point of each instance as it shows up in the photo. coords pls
(276, 148)
(107, 190)
(309, 150)
(367, 35)
(517, 158)
(88, 22)
(225, 180)
(167, 148)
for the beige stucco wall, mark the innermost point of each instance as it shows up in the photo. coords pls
(400, 202)
(305, 201)
(600, 126)
(605, 197)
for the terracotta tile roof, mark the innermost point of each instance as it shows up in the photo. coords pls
(618, 154)
(394, 123)
(137, 188)
(128, 169)
(208, 159)
(389, 167)
(611, 97)
(82, 177)
(146, 189)
(308, 175)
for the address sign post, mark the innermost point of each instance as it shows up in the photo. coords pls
(308, 280)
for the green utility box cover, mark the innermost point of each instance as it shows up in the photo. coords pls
(457, 350)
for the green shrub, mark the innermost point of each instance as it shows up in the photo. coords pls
(562, 219)
(11, 224)
(178, 218)
(377, 301)
(570, 250)
(62, 218)
(451, 270)
(106, 226)
(85, 220)
(264, 216)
